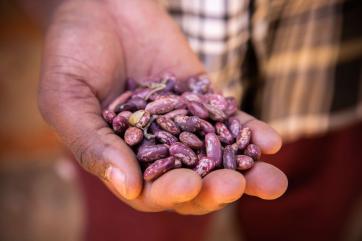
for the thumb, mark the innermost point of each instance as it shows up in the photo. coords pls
(69, 105)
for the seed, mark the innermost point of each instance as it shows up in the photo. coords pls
(168, 125)
(253, 151)
(184, 153)
(133, 136)
(191, 140)
(244, 162)
(213, 148)
(158, 168)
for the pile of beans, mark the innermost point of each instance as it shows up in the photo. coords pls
(171, 124)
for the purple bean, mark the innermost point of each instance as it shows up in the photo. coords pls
(152, 152)
(197, 109)
(229, 160)
(189, 96)
(199, 84)
(205, 166)
(119, 124)
(133, 136)
(108, 116)
(253, 151)
(163, 105)
(244, 162)
(213, 148)
(244, 138)
(232, 106)
(126, 114)
(168, 125)
(174, 113)
(216, 100)
(215, 113)
(206, 127)
(166, 137)
(184, 153)
(158, 168)
(234, 126)
(191, 140)
(224, 134)
(188, 123)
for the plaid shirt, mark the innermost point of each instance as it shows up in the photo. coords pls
(295, 64)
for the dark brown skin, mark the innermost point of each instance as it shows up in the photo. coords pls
(82, 73)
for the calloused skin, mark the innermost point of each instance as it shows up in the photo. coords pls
(90, 49)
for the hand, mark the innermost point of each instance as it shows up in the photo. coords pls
(91, 47)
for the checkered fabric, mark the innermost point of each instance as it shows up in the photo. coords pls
(295, 64)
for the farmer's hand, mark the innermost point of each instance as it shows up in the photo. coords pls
(91, 47)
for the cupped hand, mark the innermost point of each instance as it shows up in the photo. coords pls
(90, 49)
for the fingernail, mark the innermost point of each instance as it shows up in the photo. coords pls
(118, 180)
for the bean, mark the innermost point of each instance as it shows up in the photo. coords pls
(119, 124)
(234, 126)
(232, 106)
(126, 114)
(108, 116)
(199, 84)
(244, 138)
(166, 137)
(213, 148)
(150, 153)
(206, 127)
(224, 134)
(191, 140)
(216, 100)
(168, 125)
(158, 168)
(189, 96)
(229, 160)
(215, 113)
(163, 105)
(197, 109)
(139, 118)
(188, 123)
(133, 136)
(174, 113)
(253, 151)
(184, 153)
(205, 166)
(244, 162)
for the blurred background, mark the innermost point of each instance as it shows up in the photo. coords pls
(39, 196)
(41, 192)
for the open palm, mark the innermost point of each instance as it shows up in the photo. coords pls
(91, 48)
